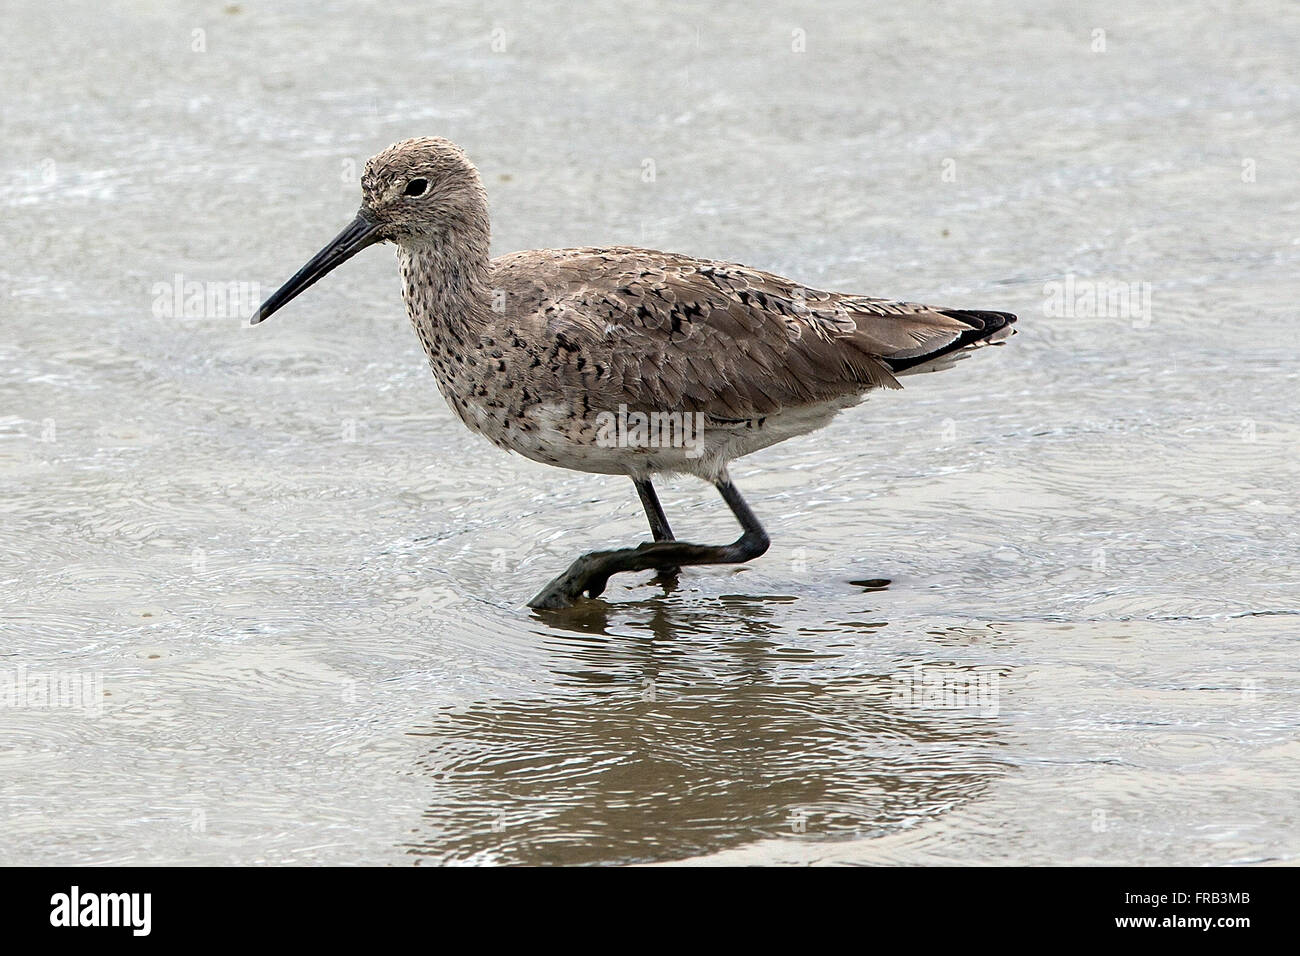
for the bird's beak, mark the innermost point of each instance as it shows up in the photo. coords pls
(361, 232)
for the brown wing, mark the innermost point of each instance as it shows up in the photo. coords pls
(654, 330)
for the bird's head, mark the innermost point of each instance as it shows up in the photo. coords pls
(419, 192)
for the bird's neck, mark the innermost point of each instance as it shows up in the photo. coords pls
(446, 288)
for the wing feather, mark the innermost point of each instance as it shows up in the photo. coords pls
(684, 334)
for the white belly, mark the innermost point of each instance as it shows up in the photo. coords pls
(629, 446)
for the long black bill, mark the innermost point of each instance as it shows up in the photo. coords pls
(360, 232)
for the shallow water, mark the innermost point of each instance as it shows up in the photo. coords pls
(299, 582)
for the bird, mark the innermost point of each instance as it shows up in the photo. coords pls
(622, 360)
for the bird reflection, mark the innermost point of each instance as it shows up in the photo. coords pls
(684, 728)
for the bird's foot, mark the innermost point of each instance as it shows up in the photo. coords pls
(564, 590)
(590, 573)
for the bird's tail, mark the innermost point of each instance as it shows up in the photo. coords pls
(986, 328)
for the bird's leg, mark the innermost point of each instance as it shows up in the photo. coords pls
(592, 571)
(654, 512)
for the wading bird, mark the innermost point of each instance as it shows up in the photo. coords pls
(570, 356)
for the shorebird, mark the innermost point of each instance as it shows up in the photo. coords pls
(626, 361)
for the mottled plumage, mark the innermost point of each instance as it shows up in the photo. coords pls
(537, 350)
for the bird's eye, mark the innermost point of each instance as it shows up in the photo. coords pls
(416, 187)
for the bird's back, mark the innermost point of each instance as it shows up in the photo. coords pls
(655, 330)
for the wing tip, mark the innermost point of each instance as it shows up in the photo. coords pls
(986, 328)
